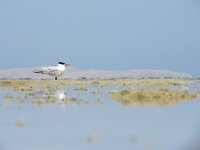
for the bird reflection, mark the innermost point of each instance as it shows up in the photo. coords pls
(54, 95)
(60, 94)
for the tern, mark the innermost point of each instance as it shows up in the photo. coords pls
(53, 71)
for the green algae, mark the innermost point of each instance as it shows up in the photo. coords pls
(8, 96)
(157, 96)
(20, 123)
(40, 92)
(81, 89)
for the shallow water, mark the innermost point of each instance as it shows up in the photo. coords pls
(90, 119)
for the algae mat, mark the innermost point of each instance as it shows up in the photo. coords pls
(125, 91)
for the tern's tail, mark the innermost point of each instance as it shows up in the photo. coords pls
(38, 71)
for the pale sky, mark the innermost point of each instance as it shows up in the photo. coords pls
(101, 34)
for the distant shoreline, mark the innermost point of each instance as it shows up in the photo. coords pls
(74, 73)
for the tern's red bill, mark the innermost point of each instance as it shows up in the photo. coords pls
(67, 65)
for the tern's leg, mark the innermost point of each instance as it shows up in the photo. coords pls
(56, 78)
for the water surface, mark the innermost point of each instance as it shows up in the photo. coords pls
(90, 119)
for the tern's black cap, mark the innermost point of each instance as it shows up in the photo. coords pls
(62, 63)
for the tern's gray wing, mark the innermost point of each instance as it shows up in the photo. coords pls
(46, 70)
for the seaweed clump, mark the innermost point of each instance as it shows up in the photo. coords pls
(156, 96)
